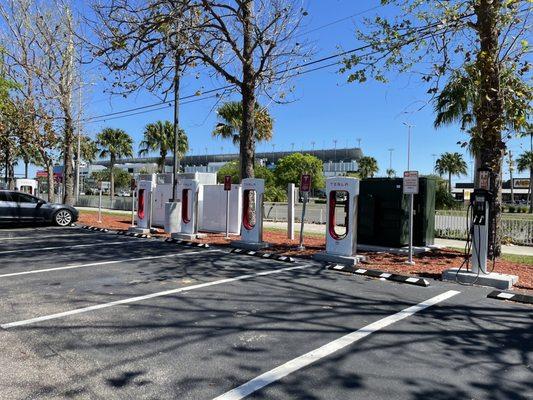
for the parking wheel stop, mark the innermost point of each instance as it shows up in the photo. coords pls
(372, 273)
(510, 296)
(262, 254)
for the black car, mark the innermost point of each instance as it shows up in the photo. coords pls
(22, 207)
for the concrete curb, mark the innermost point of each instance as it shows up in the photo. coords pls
(261, 254)
(94, 228)
(186, 243)
(132, 234)
(410, 280)
(510, 296)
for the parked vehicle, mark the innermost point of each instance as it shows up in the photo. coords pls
(25, 208)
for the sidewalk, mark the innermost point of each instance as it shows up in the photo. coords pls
(321, 229)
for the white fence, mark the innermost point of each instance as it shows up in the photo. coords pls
(516, 228)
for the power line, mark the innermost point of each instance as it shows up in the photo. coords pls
(339, 20)
(100, 118)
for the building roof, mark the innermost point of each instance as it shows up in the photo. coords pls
(327, 155)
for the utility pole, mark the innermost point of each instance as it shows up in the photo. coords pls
(176, 161)
(390, 158)
(511, 169)
(78, 150)
(292, 147)
(359, 143)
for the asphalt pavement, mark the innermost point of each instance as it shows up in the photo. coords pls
(95, 315)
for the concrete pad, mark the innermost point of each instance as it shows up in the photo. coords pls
(187, 236)
(333, 258)
(240, 244)
(142, 231)
(493, 279)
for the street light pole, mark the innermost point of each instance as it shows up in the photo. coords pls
(409, 126)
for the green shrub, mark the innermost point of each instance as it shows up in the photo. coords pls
(512, 209)
(275, 194)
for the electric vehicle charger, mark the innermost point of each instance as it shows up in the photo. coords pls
(473, 270)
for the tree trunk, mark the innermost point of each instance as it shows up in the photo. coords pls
(531, 190)
(450, 182)
(489, 111)
(247, 138)
(68, 170)
(161, 162)
(50, 178)
(112, 177)
(26, 162)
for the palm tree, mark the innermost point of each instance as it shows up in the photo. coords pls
(230, 125)
(368, 166)
(451, 164)
(391, 173)
(525, 163)
(114, 143)
(160, 136)
(459, 97)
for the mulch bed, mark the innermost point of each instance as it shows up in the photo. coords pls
(428, 265)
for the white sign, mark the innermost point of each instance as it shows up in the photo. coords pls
(410, 182)
(104, 185)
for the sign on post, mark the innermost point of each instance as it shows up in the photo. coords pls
(410, 182)
(227, 188)
(410, 187)
(227, 182)
(305, 183)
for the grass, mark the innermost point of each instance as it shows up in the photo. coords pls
(296, 232)
(105, 212)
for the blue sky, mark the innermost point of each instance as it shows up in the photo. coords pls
(326, 108)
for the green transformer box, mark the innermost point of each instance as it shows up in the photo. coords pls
(383, 213)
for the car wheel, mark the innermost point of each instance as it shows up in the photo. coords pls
(63, 218)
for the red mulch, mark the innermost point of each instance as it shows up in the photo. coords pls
(429, 265)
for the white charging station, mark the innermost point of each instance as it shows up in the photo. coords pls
(27, 185)
(190, 193)
(341, 238)
(145, 190)
(253, 191)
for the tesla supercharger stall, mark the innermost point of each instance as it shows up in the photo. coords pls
(145, 189)
(341, 221)
(253, 191)
(190, 193)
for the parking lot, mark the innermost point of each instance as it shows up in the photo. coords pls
(98, 315)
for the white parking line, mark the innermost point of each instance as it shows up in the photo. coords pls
(303, 361)
(75, 246)
(148, 296)
(39, 271)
